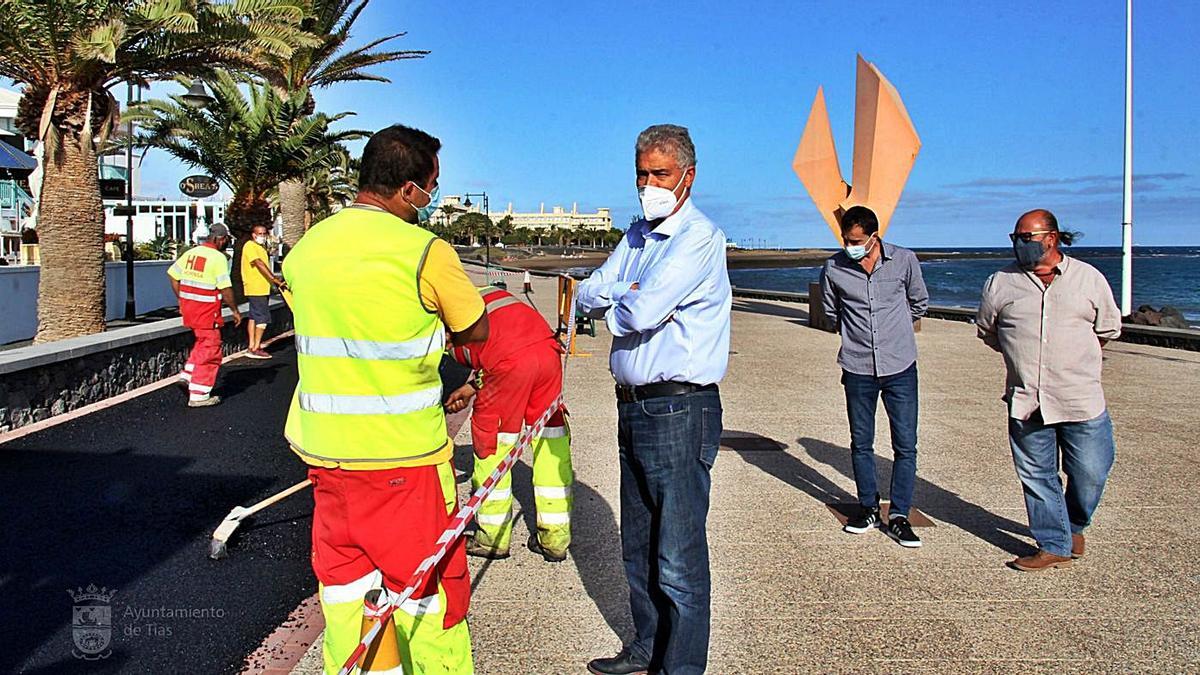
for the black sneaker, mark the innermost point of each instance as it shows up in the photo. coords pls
(900, 530)
(865, 521)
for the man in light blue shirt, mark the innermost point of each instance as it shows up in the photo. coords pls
(665, 295)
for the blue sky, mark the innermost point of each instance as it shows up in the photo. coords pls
(1018, 104)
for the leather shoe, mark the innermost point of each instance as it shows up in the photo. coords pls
(1042, 560)
(1077, 545)
(624, 663)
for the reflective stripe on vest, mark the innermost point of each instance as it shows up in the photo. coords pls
(210, 299)
(335, 347)
(204, 292)
(503, 301)
(397, 404)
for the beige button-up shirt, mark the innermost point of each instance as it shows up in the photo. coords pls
(1050, 338)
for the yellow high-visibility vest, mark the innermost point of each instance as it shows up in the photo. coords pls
(369, 395)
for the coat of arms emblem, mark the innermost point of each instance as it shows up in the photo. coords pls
(91, 622)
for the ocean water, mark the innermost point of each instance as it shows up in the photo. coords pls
(1161, 276)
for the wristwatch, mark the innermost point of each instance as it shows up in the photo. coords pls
(477, 381)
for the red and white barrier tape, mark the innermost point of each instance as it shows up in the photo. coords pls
(451, 533)
(494, 272)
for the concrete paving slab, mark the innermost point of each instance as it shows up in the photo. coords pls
(792, 593)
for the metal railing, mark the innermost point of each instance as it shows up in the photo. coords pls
(14, 203)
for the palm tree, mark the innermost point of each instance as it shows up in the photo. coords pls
(329, 188)
(319, 66)
(539, 233)
(504, 227)
(582, 234)
(249, 144)
(67, 54)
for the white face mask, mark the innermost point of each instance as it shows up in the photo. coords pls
(260, 240)
(659, 202)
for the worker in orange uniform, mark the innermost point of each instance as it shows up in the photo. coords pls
(519, 375)
(373, 297)
(200, 279)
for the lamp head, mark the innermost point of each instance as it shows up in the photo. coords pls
(197, 96)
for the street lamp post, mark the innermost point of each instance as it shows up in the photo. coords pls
(130, 302)
(196, 97)
(487, 237)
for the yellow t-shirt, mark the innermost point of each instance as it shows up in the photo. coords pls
(446, 289)
(253, 281)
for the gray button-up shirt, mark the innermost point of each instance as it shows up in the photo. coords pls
(1050, 337)
(875, 312)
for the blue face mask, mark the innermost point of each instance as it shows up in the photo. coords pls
(1028, 253)
(858, 252)
(424, 213)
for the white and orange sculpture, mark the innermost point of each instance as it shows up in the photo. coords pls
(885, 146)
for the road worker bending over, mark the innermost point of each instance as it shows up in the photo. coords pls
(520, 375)
(200, 279)
(373, 297)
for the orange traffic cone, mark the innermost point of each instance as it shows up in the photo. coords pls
(383, 656)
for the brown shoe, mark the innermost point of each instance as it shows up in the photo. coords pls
(1077, 545)
(1039, 561)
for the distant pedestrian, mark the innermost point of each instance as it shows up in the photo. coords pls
(872, 292)
(1050, 315)
(257, 280)
(200, 279)
(665, 295)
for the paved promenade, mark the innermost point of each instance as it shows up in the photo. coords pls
(792, 593)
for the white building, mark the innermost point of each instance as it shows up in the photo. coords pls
(557, 217)
(176, 219)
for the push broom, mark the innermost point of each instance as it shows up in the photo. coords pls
(219, 547)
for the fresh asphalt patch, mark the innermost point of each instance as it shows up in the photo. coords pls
(122, 504)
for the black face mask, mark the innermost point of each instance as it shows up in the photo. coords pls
(1028, 253)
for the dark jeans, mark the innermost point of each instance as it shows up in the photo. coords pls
(899, 393)
(667, 447)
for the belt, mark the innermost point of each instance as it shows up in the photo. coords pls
(629, 394)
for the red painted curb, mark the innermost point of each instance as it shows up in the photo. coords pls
(286, 645)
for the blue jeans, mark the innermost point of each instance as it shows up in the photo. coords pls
(1088, 451)
(667, 447)
(899, 394)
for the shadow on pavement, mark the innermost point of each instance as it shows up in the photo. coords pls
(798, 316)
(595, 542)
(931, 499)
(243, 374)
(934, 501)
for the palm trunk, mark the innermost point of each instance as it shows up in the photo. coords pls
(293, 207)
(71, 233)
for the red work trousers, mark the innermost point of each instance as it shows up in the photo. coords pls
(516, 391)
(200, 372)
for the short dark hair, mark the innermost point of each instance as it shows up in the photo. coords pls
(395, 156)
(860, 216)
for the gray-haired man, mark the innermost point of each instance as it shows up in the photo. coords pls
(665, 296)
